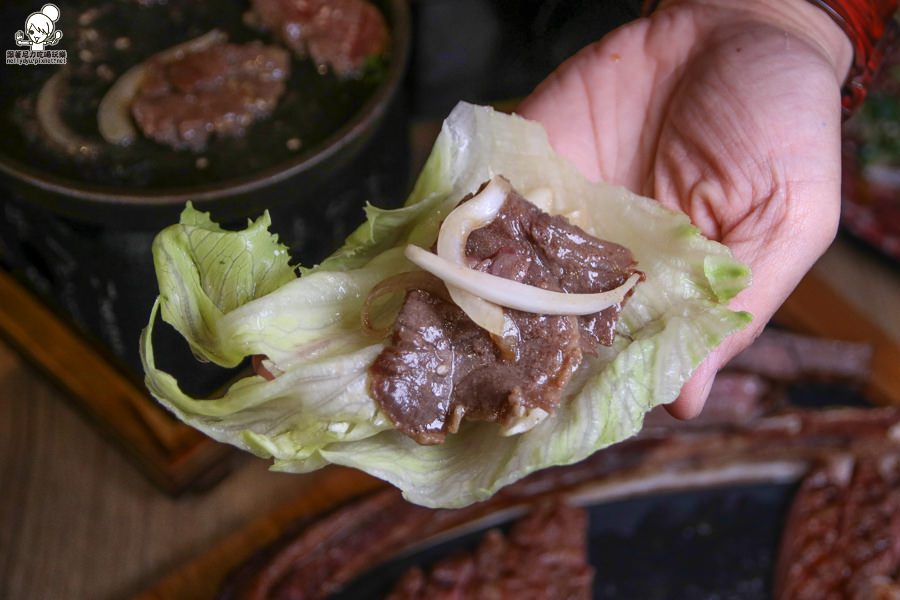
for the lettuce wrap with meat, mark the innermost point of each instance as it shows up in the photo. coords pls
(234, 294)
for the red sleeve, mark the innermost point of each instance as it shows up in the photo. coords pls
(871, 28)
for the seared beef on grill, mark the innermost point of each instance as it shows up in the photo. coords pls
(337, 34)
(786, 356)
(220, 90)
(842, 537)
(543, 558)
(441, 367)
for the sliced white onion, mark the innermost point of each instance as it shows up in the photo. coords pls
(114, 112)
(513, 294)
(525, 423)
(401, 282)
(478, 211)
(47, 110)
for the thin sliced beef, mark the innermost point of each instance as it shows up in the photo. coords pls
(441, 367)
(543, 558)
(220, 90)
(530, 246)
(337, 34)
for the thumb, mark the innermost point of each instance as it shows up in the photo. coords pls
(695, 392)
(761, 305)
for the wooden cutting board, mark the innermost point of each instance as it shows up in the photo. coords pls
(174, 456)
(202, 578)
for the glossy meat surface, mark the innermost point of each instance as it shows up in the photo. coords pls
(441, 367)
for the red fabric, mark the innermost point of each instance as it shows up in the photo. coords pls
(871, 28)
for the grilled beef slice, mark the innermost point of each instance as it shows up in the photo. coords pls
(220, 90)
(441, 367)
(842, 536)
(340, 35)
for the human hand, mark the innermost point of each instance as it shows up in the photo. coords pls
(728, 110)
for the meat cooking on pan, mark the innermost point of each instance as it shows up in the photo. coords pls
(219, 90)
(337, 34)
(441, 366)
(544, 557)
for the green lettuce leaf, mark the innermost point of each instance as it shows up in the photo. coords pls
(233, 294)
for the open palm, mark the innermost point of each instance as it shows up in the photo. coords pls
(730, 116)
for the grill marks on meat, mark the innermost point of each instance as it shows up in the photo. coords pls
(336, 34)
(842, 538)
(543, 558)
(220, 90)
(441, 367)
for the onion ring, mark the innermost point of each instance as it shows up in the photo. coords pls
(47, 111)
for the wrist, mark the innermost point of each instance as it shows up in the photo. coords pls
(851, 35)
(797, 18)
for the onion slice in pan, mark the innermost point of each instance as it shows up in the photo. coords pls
(512, 294)
(114, 112)
(47, 109)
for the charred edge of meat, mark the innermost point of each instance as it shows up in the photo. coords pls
(842, 536)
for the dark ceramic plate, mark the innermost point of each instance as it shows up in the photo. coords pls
(146, 185)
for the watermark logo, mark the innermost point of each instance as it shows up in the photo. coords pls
(39, 33)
